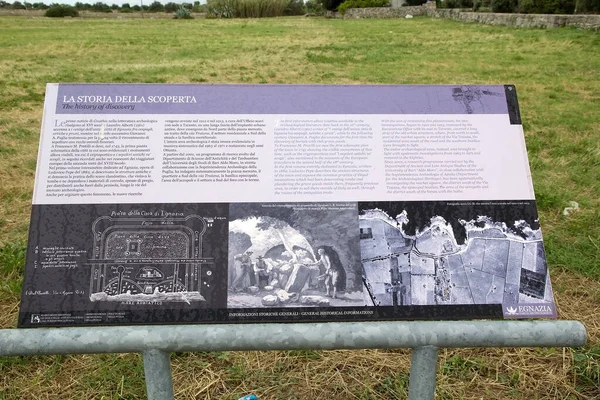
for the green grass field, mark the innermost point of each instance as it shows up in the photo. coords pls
(557, 75)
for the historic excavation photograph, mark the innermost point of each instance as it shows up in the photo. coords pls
(437, 253)
(294, 255)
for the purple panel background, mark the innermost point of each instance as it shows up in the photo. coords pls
(298, 99)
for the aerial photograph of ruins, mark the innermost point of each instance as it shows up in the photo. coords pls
(437, 253)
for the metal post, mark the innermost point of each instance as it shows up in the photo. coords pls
(423, 368)
(159, 380)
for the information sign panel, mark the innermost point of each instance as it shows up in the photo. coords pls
(242, 203)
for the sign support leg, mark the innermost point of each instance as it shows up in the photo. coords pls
(423, 368)
(157, 370)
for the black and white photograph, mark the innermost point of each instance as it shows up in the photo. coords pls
(294, 255)
(460, 253)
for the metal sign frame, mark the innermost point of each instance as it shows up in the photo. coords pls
(424, 337)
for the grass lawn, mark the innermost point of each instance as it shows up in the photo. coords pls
(557, 75)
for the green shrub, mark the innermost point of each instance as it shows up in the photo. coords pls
(295, 7)
(156, 6)
(198, 8)
(61, 10)
(546, 6)
(459, 4)
(100, 7)
(504, 6)
(481, 4)
(415, 2)
(182, 13)
(348, 4)
(331, 5)
(587, 7)
(126, 10)
(171, 7)
(535, 6)
(526, 6)
(314, 7)
(246, 8)
(221, 9)
(559, 7)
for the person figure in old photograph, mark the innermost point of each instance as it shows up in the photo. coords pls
(331, 276)
(247, 271)
(263, 275)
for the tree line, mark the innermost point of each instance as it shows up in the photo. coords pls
(155, 6)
